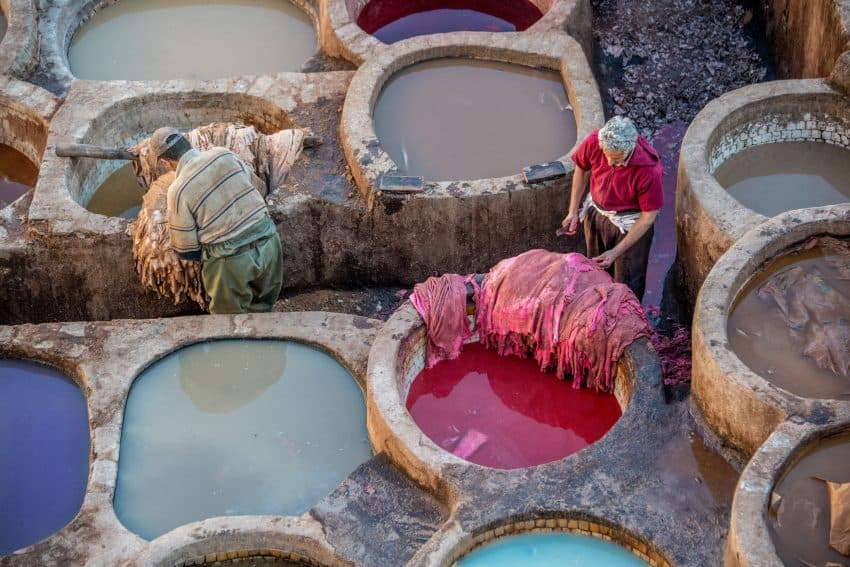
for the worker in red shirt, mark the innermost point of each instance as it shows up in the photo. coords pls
(625, 197)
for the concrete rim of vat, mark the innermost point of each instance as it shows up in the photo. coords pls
(107, 358)
(708, 219)
(749, 543)
(58, 25)
(456, 544)
(395, 359)
(110, 114)
(19, 47)
(740, 406)
(554, 51)
(341, 36)
(25, 112)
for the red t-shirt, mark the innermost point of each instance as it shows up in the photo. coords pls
(633, 187)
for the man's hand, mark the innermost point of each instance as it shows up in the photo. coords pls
(570, 223)
(605, 259)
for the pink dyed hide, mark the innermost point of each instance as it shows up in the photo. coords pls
(441, 302)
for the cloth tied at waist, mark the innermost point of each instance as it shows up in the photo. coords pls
(623, 221)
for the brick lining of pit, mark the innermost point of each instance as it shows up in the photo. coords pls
(742, 407)
(341, 36)
(749, 543)
(708, 219)
(19, 47)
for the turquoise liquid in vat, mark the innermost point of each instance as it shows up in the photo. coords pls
(44, 452)
(551, 550)
(236, 427)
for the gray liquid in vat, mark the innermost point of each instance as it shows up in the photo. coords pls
(774, 178)
(236, 427)
(119, 196)
(192, 39)
(450, 119)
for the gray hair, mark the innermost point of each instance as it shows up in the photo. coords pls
(618, 134)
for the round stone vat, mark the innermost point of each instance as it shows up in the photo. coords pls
(782, 509)
(230, 428)
(753, 153)
(744, 403)
(392, 79)
(18, 38)
(358, 29)
(249, 37)
(44, 449)
(397, 357)
(23, 136)
(120, 195)
(565, 540)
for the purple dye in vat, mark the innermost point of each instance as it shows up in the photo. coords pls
(44, 451)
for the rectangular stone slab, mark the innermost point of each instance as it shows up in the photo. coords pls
(401, 184)
(543, 172)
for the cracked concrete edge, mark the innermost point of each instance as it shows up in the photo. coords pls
(105, 358)
(749, 543)
(556, 51)
(708, 219)
(740, 406)
(340, 36)
(96, 112)
(19, 47)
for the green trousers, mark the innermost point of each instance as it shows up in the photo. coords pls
(244, 274)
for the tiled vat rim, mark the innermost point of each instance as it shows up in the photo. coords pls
(556, 51)
(749, 543)
(19, 47)
(342, 36)
(739, 405)
(575, 524)
(105, 358)
(58, 24)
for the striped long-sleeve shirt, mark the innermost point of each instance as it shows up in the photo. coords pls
(211, 200)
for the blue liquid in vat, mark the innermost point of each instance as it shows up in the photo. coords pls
(549, 550)
(44, 452)
(236, 427)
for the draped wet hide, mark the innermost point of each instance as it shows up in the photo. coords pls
(159, 268)
(839, 516)
(441, 302)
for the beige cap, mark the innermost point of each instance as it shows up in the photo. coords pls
(163, 139)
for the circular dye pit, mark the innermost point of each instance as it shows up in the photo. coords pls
(453, 119)
(236, 427)
(799, 516)
(792, 313)
(394, 20)
(17, 174)
(206, 39)
(548, 549)
(502, 412)
(44, 451)
(774, 178)
(119, 196)
(3, 25)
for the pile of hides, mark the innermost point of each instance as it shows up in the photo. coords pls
(159, 268)
(441, 302)
(817, 314)
(839, 522)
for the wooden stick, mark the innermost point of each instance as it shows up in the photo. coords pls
(89, 151)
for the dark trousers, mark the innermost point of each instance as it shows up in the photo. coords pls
(602, 235)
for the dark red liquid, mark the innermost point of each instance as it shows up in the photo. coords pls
(527, 417)
(394, 20)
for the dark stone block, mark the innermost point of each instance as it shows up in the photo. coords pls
(544, 172)
(401, 184)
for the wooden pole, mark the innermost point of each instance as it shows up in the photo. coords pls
(97, 152)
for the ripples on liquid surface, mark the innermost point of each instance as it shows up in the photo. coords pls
(550, 549)
(17, 174)
(507, 401)
(454, 119)
(235, 428)
(774, 178)
(44, 452)
(119, 196)
(192, 39)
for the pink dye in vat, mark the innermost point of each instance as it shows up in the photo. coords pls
(503, 412)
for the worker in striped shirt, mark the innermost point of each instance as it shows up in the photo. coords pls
(217, 216)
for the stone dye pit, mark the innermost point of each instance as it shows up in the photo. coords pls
(484, 408)
(44, 448)
(449, 119)
(546, 549)
(762, 338)
(393, 20)
(254, 401)
(774, 178)
(3, 25)
(119, 196)
(17, 175)
(227, 38)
